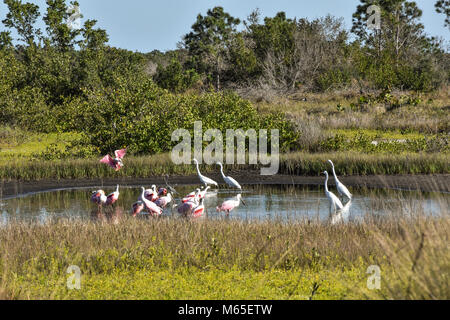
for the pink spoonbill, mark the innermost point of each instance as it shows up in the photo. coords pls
(201, 194)
(164, 201)
(113, 197)
(162, 192)
(115, 163)
(186, 208)
(151, 194)
(137, 208)
(151, 207)
(98, 197)
(199, 210)
(230, 205)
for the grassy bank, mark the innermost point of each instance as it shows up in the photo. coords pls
(305, 164)
(173, 259)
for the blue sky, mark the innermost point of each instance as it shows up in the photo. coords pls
(145, 25)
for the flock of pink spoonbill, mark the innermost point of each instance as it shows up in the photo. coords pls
(153, 201)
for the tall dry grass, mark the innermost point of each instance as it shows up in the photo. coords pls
(334, 110)
(419, 259)
(412, 253)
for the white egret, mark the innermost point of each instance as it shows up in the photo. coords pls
(229, 180)
(205, 180)
(335, 203)
(343, 191)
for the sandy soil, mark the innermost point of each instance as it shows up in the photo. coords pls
(426, 183)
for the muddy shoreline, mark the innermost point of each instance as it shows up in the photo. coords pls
(425, 183)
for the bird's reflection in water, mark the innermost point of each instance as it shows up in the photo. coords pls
(112, 215)
(4, 219)
(342, 215)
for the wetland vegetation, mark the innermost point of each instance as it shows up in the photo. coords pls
(67, 98)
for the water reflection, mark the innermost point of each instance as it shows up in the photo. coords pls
(43, 217)
(341, 216)
(4, 219)
(262, 203)
(107, 214)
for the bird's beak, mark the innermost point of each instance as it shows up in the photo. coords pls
(243, 202)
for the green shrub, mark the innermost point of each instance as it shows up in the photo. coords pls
(142, 117)
(175, 78)
(333, 79)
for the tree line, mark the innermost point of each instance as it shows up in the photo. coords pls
(317, 55)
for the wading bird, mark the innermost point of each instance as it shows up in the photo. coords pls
(204, 180)
(113, 197)
(229, 180)
(201, 194)
(343, 191)
(168, 186)
(151, 207)
(98, 197)
(115, 163)
(162, 192)
(230, 205)
(151, 194)
(199, 210)
(335, 203)
(186, 208)
(138, 207)
(191, 196)
(164, 201)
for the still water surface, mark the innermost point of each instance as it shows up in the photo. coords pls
(262, 203)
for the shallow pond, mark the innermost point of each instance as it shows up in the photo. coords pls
(279, 202)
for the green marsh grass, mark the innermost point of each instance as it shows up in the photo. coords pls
(304, 164)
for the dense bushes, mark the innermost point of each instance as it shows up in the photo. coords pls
(175, 78)
(117, 105)
(143, 117)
